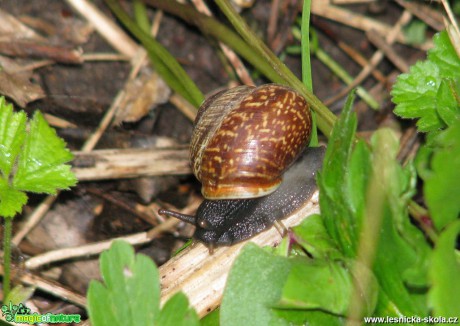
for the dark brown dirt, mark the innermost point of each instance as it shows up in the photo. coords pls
(82, 93)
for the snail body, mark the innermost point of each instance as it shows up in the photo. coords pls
(245, 139)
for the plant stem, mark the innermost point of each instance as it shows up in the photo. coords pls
(420, 214)
(305, 42)
(7, 231)
(306, 63)
(140, 15)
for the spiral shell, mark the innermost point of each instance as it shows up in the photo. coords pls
(246, 137)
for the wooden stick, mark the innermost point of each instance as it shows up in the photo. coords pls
(130, 163)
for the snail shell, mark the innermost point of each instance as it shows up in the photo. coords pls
(246, 137)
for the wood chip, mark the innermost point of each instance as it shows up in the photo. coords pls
(143, 93)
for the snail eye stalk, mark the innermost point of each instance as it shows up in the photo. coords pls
(183, 217)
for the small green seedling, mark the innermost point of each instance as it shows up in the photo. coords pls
(32, 159)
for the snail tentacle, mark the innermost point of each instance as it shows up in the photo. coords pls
(183, 217)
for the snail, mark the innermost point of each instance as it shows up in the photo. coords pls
(246, 140)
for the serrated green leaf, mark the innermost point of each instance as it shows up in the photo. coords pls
(254, 285)
(444, 56)
(11, 200)
(445, 267)
(177, 312)
(12, 134)
(421, 93)
(130, 295)
(441, 187)
(415, 95)
(41, 161)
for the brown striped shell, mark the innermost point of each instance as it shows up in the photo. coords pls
(246, 137)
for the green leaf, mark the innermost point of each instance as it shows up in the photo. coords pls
(309, 317)
(356, 181)
(12, 133)
(11, 200)
(396, 237)
(176, 312)
(441, 187)
(41, 165)
(211, 319)
(445, 267)
(313, 237)
(100, 308)
(444, 56)
(254, 285)
(317, 284)
(349, 207)
(415, 95)
(325, 286)
(334, 201)
(447, 106)
(130, 293)
(429, 91)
